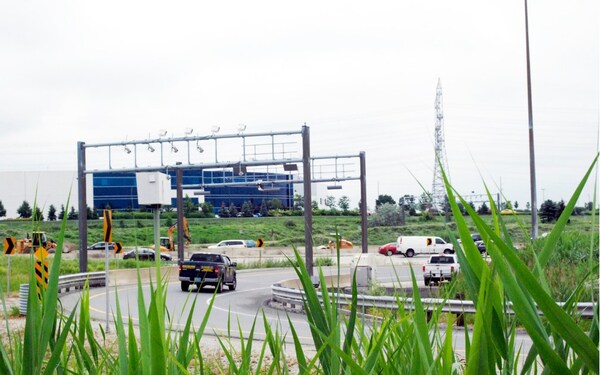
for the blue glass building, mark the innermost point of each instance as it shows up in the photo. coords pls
(119, 191)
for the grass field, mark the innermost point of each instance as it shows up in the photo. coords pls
(276, 231)
(567, 267)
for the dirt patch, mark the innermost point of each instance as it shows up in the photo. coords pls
(69, 247)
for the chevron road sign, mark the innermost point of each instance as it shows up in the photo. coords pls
(9, 245)
(107, 226)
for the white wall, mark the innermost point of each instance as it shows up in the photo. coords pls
(44, 188)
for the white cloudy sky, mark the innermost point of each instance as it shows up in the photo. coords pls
(361, 75)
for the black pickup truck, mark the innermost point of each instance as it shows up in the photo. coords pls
(208, 269)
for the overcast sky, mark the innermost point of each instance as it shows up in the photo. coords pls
(361, 75)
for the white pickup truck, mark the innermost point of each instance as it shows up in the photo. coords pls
(440, 267)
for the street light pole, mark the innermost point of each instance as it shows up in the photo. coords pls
(363, 203)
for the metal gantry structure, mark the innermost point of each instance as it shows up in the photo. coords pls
(238, 167)
(438, 192)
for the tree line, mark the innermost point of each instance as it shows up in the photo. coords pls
(26, 211)
(389, 213)
(271, 207)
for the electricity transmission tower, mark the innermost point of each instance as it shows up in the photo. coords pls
(438, 192)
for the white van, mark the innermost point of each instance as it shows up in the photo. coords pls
(411, 245)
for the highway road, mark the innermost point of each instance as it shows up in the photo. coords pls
(243, 306)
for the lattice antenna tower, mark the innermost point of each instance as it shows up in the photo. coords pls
(438, 192)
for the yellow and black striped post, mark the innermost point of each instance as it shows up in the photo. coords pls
(41, 271)
(108, 226)
(107, 241)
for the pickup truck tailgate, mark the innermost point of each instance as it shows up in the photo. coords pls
(435, 270)
(199, 267)
(199, 272)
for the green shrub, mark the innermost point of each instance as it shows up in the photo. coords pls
(323, 262)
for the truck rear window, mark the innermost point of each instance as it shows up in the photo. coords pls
(205, 258)
(442, 260)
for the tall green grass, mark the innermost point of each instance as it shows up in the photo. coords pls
(406, 341)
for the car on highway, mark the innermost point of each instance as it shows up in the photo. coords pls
(102, 246)
(481, 246)
(208, 269)
(229, 243)
(144, 253)
(478, 242)
(410, 246)
(440, 268)
(389, 249)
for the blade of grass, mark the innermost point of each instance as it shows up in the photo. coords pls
(420, 321)
(53, 361)
(333, 322)
(300, 357)
(134, 357)
(123, 358)
(51, 295)
(516, 285)
(275, 343)
(479, 353)
(6, 358)
(315, 313)
(447, 353)
(557, 230)
(157, 332)
(89, 335)
(351, 319)
(473, 266)
(561, 322)
(144, 327)
(183, 351)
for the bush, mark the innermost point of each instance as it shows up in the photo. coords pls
(386, 215)
(323, 262)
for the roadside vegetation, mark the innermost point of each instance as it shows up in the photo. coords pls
(568, 266)
(525, 275)
(131, 230)
(405, 341)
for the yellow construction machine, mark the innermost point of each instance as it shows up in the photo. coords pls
(38, 239)
(167, 244)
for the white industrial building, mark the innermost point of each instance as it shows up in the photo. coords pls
(45, 188)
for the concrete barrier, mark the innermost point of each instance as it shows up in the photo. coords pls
(332, 281)
(130, 276)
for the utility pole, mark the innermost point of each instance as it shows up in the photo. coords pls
(82, 204)
(308, 240)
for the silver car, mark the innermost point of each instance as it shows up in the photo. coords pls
(229, 243)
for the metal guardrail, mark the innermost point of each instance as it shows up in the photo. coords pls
(295, 298)
(65, 284)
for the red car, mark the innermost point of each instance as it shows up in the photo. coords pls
(389, 249)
